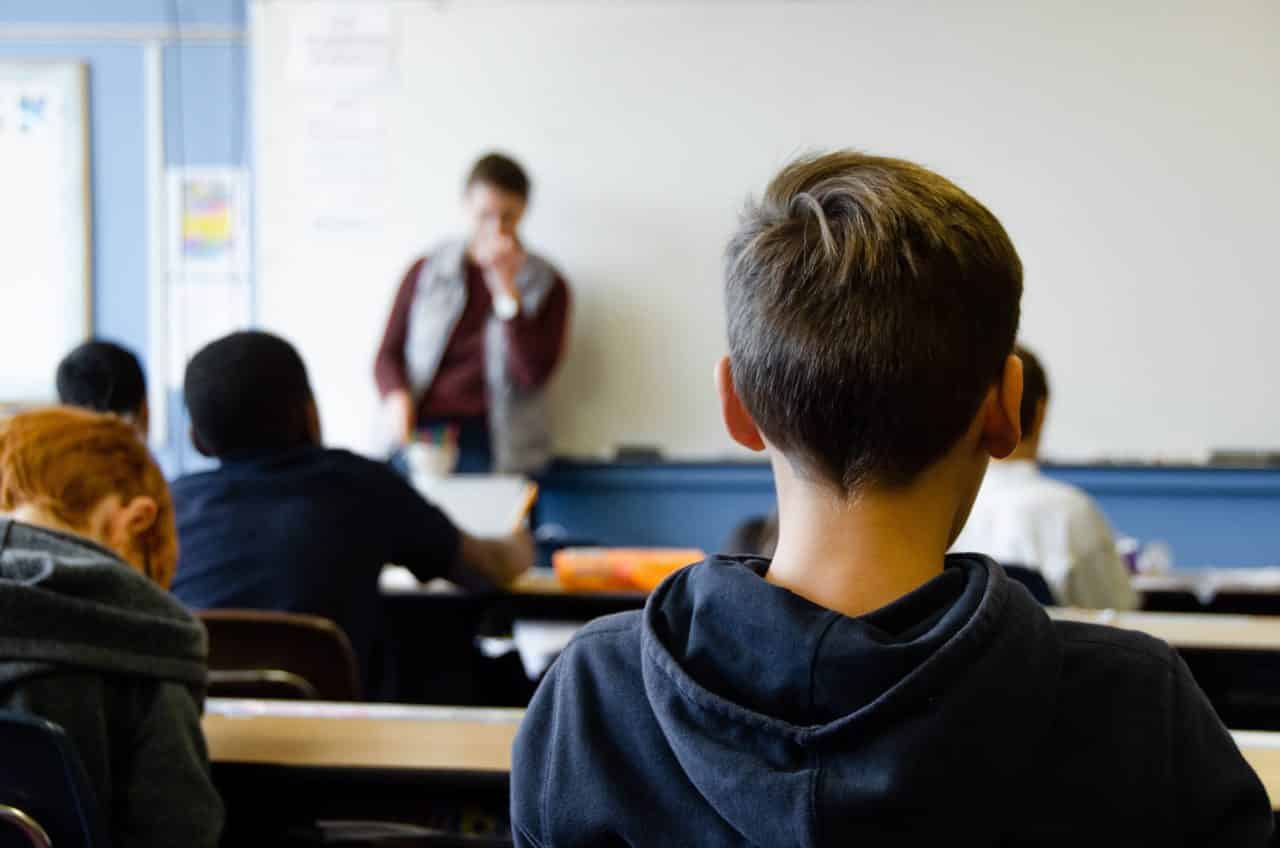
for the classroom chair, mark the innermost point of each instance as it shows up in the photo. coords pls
(45, 797)
(263, 654)
(1033, 581)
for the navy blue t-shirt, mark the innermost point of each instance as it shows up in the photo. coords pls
(306, 531)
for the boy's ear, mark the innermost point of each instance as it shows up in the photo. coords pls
(142, 420)
(136, 517)
(199, 444)
(1002, 416)
(314, 432)
(742, 428)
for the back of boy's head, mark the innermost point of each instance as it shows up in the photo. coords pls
(103, 377)
(1035, 390)
(248, 393)
(65, 461)
(871, 305)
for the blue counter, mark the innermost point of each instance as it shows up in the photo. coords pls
(1210, 516)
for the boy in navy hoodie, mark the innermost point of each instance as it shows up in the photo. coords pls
(863, 688)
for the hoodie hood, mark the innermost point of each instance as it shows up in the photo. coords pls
(65, 601)
(772, 702)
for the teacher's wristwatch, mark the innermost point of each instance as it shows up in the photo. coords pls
(505, 306)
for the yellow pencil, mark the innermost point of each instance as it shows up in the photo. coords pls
(526, 505)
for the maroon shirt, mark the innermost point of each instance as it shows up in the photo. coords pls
(534, 344)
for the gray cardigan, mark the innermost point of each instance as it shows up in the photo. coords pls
(519, 419)
(90, 644)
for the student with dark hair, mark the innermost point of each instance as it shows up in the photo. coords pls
(1021, 517)
(286, 524)
(863, 688)
(105, 377)
(476, 330)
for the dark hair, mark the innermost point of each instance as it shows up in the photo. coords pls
(248, 392)
(1035, 389)
(871, 304)
(501, 172)
(104, 377)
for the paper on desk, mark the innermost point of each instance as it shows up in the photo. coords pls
(540, 642)
(481, 504)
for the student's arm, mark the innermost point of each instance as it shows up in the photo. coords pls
(535, 341)
(1216, 795)
(1100, 580)
(424, 540)
(1097, 577)
(389, 370)
(492, 562)
(169, 798)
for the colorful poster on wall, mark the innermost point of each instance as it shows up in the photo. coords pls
(209, 221)
(208, 289)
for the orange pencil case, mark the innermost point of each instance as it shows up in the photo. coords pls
(619, 569)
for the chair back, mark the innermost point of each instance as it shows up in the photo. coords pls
(263, 654)
(1033, 581)
(45, 796)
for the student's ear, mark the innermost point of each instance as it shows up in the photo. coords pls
(132, 520)
(742, 428)
(1002, 417)
(199, 445)
(314, 432)
(142, 420)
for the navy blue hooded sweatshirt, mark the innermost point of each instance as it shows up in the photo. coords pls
(733, 712)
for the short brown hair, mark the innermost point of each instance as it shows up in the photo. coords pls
(65, 461)
(1035, 389)
(871, 304)
(501, 172)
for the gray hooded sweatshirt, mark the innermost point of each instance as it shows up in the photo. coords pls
(94, 646)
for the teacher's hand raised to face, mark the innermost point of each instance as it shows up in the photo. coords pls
(501, 257)
(476, 331)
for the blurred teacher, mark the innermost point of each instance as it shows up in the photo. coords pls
(476, 330)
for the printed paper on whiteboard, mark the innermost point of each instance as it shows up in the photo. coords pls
(343, 44)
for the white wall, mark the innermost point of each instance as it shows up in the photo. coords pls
(1132, 150)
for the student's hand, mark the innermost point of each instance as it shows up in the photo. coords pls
(499, 561)
(403, 417)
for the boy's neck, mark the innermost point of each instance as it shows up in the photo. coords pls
(855, 555)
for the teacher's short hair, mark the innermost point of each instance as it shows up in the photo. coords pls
(501, 172)
(248, 393)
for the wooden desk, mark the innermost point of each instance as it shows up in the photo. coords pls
(283, 766)
(390, 737)
(1210, 581)
(432, 630)
(538, 585)
(1188, 630)
(440, 742)
(1234, 591)
(1262, 751)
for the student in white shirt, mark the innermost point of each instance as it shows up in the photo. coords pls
(1022, 517)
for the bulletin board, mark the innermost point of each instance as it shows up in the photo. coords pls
(46, 268)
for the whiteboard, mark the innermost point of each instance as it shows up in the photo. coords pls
(1130, 149)
(45, 265)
